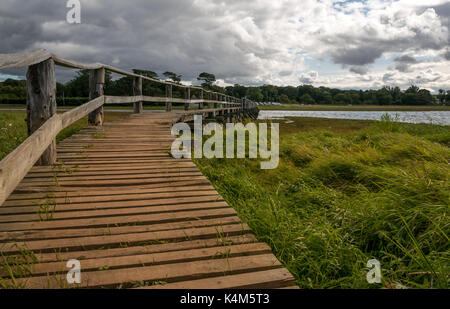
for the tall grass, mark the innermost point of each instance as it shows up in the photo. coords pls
(342, 197)
(13, 129)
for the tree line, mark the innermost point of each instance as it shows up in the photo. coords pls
(75, 91)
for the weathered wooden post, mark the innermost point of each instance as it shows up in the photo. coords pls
(169, 97)
(137, 91)
(187, 97)
(41, 102)
(96, 83)
(200, 106)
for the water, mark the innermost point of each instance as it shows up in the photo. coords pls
(437, 117)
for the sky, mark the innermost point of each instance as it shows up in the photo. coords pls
(342, 44)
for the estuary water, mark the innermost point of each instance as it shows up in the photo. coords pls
(433, 117)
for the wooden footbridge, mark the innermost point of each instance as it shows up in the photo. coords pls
(113, 198)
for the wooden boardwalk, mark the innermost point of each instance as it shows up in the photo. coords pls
(132, 215)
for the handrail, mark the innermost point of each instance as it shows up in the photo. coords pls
(138, 98)
(28, 58)
(15, 166)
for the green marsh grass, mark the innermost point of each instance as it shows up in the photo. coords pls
(346, 192)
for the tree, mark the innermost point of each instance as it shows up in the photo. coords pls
(395, 93)
(342, 98)
(425, 97)
(207, 78)
(441, 96)
(307, 99)
(79, 86)
(412, 89)
(284, 99)
(173, 76)
(384, 97)
(410, 99)
(270, 92)
(146, 73)
(255, 94)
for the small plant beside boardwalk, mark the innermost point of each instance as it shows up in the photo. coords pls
(346, 192)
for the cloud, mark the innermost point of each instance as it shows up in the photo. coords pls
(247, 42)
(359, 69)
(447, 55)
(403, 63)
(308, 78)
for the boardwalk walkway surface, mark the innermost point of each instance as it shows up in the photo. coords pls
(132, 215)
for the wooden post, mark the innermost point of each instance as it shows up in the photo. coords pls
(41, 102)
(96, 82)
(200, 106)
(187, 97)
(137, 90)
(169, 96)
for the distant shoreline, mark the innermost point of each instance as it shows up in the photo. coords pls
(283, 107)
(361, 108)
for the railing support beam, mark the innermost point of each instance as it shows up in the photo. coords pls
(137, 90)
(200, 105)
(41, 103)
(169, 97)
(187, 97)
(96, 83)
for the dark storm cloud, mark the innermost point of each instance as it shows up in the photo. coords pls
(447, 55)
(157, 35)
(16, 33)
(403, 63)
(359, 69)
(357, 56)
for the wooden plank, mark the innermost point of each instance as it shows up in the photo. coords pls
(75, 177)
(172, 272)
(79, 232)
(115, 182)
(162, 185)
(125, 193)
(114, 155)
(60, 255)
(116, 240)
(67, 171)
(152, 259)
(120, 220)
(23, 214)
(267, 279)
(12, 206)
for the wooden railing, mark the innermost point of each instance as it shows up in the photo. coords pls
(44, 123)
